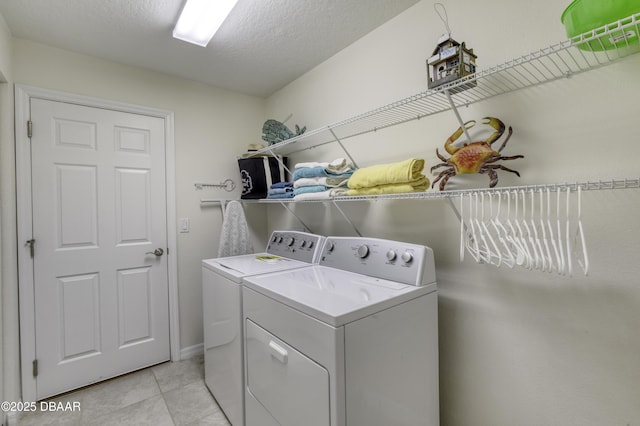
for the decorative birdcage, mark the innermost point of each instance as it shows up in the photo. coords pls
(449, 62)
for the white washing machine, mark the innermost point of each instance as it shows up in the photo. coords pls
(222, 310)
(351, 341)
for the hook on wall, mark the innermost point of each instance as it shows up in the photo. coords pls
(228, 185)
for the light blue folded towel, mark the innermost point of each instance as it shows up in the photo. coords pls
(311, 172)
(285, 195)
(308, 189)
(282, 185)
(274, 191)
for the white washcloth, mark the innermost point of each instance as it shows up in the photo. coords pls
(339, 166)
(234, 238)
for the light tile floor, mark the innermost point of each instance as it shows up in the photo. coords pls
(168, 394)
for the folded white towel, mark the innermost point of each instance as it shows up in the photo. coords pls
(337, 166)
(322, 195)
(235, 238)
(310, 164)
(320, 181)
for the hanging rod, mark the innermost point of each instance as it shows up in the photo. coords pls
(625, 183)
(213, 201)
(222, 203)
(228, 185)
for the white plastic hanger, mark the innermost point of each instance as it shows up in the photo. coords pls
(544, 243)
(462, 229)
(524, 236)
(484, 250)
(563, 263)
(495, 256)
(472, 240)
(506, 254)
(584, 260)
(541, 262)
(514, 236)
(568, 232)
(558, 260)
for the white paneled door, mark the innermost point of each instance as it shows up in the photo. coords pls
(100, 242)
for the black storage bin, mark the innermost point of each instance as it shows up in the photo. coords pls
(257, 174)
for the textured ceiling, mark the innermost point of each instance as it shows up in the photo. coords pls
(262, 46)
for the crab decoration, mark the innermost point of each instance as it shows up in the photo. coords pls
(274, 131)
(474, 157)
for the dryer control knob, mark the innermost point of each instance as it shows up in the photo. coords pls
(407, 257)
(363, 251)
(330, 246)
(302, 243)
(391, 255)
(289, 241)
(310, 244)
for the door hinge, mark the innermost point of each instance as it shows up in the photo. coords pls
(35, 368)
(29, 129)
(31, 243)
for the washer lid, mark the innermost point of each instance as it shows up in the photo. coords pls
(236, 267)
(334, 296)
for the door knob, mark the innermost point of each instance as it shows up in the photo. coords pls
(158, 252)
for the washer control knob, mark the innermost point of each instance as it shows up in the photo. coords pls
(279, 240)
(363, 251)
(274, 239)
(302, 243)
(407, 257)
(289, 241)
(330, 246)
(391, 255)
(310, 244)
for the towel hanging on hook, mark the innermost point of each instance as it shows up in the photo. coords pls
(235, 238)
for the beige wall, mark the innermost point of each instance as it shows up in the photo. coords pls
(516, 346)
(212, 126)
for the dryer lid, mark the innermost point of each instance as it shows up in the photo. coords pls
(334, 296)
(237, 267)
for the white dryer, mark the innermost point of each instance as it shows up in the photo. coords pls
(222, 310)
(351, 341)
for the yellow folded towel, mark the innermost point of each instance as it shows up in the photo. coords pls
(384, 174)
(419, 185)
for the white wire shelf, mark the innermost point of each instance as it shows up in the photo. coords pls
(555, 62)
(612, 184)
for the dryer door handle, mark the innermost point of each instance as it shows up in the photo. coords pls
(278, 352)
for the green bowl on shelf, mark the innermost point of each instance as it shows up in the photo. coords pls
(582, 16)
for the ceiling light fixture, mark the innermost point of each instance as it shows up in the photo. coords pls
(200, 19)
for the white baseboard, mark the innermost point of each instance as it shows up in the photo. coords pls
(12, 418)
(191, 351)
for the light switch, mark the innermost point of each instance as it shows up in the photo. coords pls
(183, 225)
